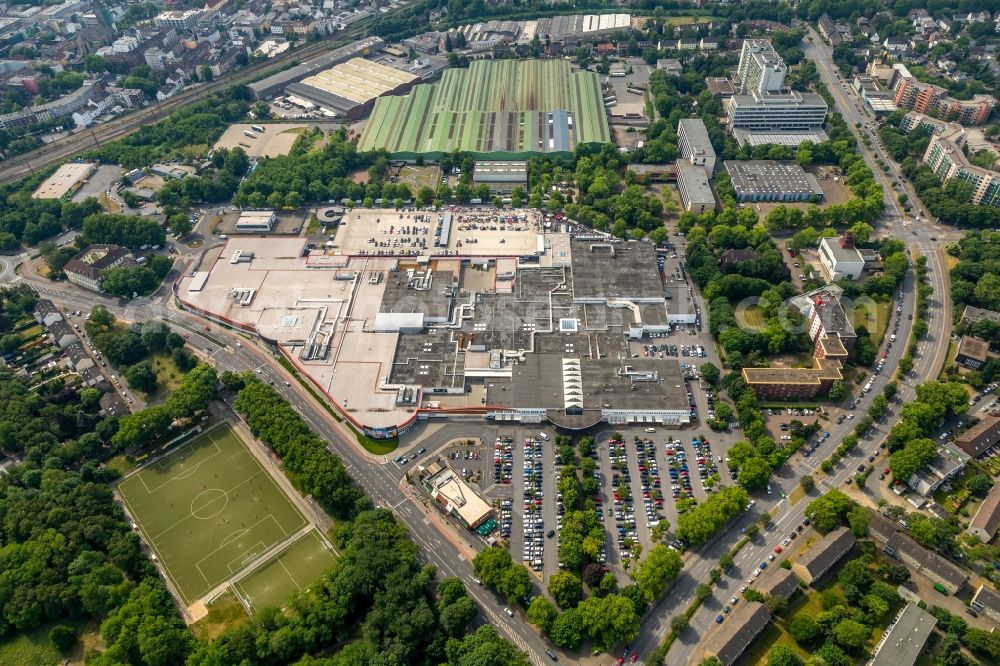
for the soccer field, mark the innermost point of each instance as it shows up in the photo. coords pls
(208, 509)
(292, 570)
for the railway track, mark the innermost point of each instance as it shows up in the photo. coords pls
(67, 147)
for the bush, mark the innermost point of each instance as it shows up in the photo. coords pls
(63, 637)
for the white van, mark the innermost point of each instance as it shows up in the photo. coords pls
(650, 429)
(543, 436)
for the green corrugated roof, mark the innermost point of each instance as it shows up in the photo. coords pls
(499, 96)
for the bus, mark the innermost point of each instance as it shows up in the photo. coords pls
(250, 134)
(257, 128)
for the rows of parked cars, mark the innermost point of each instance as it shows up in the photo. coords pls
(503, 460)
(534, 524)
(621, 490)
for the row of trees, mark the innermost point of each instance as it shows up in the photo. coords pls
(27, 220)
(707, 519)
(132, 231)
(136, 280)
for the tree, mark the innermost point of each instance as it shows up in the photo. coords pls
(807, 483)
(828, 510)
(567, 629)
(754, 473)
(542, 613)
(483, 646)
(141, 377)
(782, 655)
(142, 428)
(62, 637)
(858, 518)
(10, 342)
(803, 629)
(566, 588)
(979, 485)
(838, 391)
(661, 566)
(194, 393)
(515, 584)
(710, 373)
(490, 565)
(912, 458)
(851, 634)
(609, 620)
(678, 623)
(703, 591)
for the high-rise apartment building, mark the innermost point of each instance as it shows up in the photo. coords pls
(945, 157)
(761, 69)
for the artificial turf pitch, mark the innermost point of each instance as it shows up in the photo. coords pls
(208, 509)
(292, 570)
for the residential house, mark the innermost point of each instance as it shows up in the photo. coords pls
(981, 437)
(734, 636)
(62, 334)
(949, 463)
(778, 582)
(984, 524)
(85, 268)
(904, 639)
(927, 563)
(987, 602)
(972, 352)
(823, 555)
(46, 312)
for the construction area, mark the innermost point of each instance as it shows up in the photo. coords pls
(503, 109)
(274, 141)
(528, 324)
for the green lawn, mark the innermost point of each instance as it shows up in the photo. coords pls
(224, 613)
(292, 570)
(750, 318)
(208, 509)
(874, 319)
(30, 648)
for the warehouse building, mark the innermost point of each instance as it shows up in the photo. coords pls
(767, 180)
(694, 188)
(272, 85)
(494, 109)
(904, 639)
(350, 89)
(502, 177)
(67, 179)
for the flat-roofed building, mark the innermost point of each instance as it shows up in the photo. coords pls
(787, 111)
(454, 496)
(256, 220)
(270, 85)
(970, 315)
(694, 188)
(984, 524)
(721, 86)
(972, 352)
(502, 177)
(695, 145)
(987, 602)
(981, 437)
(65, 181)
(840, 258)
(655, 173)
(350, 88)
(734, 636)
(761, 69)
(767, 180)
(823, 555)
(788, 383)
(904, 639)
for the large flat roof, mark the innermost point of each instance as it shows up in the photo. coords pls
(624, 271)
(66, 178)
(500, 108)
(769, 176)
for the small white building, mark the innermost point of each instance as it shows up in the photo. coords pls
(256, 220)
(840, 258)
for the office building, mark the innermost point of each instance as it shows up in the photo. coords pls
(840, 258)
(84, 270)
(256, 220)
(695, 145)
(790, 111)
(904, 639)
(692, 185)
